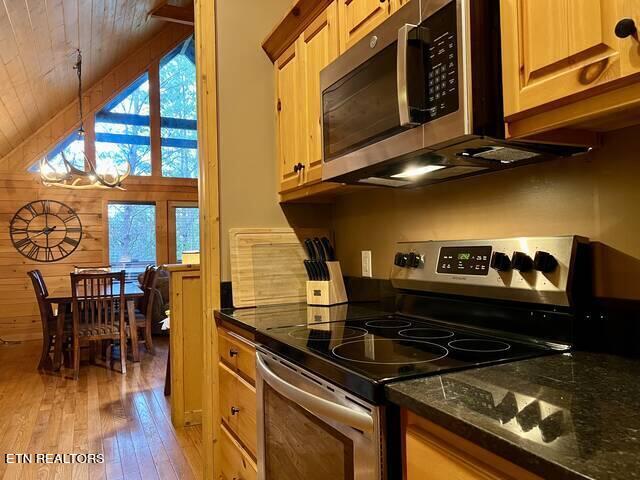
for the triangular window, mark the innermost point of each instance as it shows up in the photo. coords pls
(71, 147)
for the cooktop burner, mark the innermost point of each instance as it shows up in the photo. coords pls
(389, 351)
(476, 345)
(426, 333)
(389, 348)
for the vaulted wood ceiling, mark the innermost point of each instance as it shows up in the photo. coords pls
(38, 39)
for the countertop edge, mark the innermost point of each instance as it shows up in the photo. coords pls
(220, 315)
(483, 438)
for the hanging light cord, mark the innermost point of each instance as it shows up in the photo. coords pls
(78, 68)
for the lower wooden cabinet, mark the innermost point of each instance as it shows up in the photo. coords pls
(238, 407)
(235, 463)
(237, 402)
(433, 453)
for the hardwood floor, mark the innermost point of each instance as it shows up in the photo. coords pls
(125, 417)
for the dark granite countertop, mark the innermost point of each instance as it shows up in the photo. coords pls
(271, 316)
(561, 416)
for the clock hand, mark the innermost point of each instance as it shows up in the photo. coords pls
(45, 231)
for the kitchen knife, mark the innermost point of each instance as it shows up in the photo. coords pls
(307, 267)
(320, 249)
(311, 251)
(328, 248)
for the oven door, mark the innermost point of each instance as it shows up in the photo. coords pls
(308, 428)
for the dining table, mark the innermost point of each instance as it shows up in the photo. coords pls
(63, 298)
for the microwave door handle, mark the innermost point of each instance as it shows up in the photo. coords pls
(401, 63)
(313, 403)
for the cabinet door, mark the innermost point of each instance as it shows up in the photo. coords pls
(318, 48)
(235, 463)
(359, 17)
(288, 102)
(396, 4)
(629, 45)
(555, 48)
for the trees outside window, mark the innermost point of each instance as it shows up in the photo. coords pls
(132, 236)
(178, 113)
(123, 130)
(73, 149)
(187, 230)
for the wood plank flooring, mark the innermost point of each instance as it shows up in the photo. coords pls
(125, 417)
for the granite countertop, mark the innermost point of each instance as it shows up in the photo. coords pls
(272, 316)
(565, 416)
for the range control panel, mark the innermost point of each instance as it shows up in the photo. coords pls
(465, 260)
(527, 269)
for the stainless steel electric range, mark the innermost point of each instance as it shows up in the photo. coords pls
(460, 305)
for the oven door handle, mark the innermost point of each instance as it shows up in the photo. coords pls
(402, 66)
(313, 403)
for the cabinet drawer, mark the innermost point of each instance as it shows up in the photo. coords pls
(237, 353)
(235, 463)
(238, 407)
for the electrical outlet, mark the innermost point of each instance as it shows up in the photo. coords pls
(366, 263)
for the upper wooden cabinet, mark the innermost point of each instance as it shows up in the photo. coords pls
(318, 47)
(289, 102)
(359, 17)
(558, 53)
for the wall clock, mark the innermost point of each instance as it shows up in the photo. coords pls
(45, 231)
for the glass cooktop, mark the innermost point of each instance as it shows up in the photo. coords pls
(378, 350)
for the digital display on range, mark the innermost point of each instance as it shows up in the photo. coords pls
(464, 260)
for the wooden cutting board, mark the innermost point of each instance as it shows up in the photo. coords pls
(267, 265)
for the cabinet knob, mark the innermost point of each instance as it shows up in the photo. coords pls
(233, 352)
(625, 28)
(298, 167)
(234, 410)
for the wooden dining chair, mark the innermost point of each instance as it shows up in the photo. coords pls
(144, 311)
(47, 318)
(97, 313)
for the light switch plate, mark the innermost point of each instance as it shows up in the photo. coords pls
(366, 263)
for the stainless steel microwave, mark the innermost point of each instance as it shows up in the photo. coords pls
(419, 100)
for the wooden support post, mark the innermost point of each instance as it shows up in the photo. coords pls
(205, 47)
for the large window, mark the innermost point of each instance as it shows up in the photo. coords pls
(123, 131)
(178, 117)
(132, 236)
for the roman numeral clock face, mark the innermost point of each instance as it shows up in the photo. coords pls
(46, 231)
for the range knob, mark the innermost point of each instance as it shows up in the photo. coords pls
(400, 259)
(544, 262)
(413, 260)
(521, 261)
(500, 262)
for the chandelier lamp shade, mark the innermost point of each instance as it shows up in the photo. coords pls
(65, 175)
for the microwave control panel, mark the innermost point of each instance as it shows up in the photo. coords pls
(442, 62)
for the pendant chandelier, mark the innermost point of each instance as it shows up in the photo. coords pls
(66, 175)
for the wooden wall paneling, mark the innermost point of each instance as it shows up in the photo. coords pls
(19, 317)
(206, 72)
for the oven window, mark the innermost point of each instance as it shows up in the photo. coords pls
(298, 445)
(362, 107)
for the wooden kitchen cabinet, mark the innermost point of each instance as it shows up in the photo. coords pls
(237, 403)
(235, 464)
(433, 453)
(318, 46)
(359, 17)
(562, 58)
(289, 108)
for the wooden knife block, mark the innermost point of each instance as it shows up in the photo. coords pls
(328, 292)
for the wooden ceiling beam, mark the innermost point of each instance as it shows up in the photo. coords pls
(172, 13)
